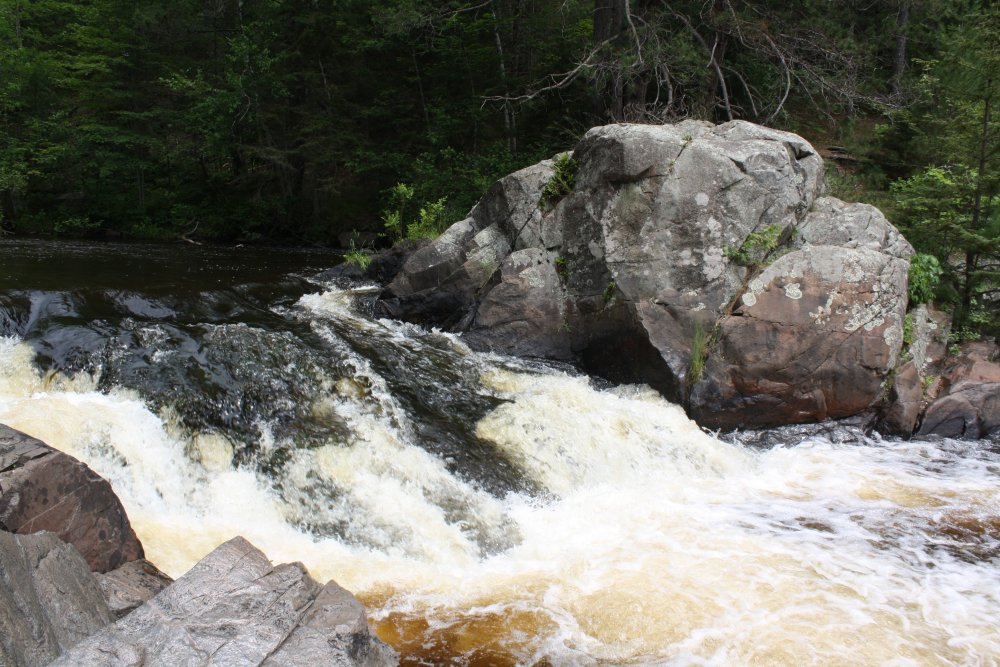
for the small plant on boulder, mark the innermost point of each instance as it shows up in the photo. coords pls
(562, 181)
(359, 257)
(755, 249)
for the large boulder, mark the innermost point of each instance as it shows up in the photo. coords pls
(43, 489)
(630, 262)
(640, 273)
(816, 333)
(235, 609)
(49, 599)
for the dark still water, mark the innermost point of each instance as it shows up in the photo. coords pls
(488, 510)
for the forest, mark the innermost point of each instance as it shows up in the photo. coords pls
(297, 122)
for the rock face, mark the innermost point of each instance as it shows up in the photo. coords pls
(638, 274)
(235, 608)
(814, 335)
(131, 585)
(967, 395)
(49, 599)
(44, 489)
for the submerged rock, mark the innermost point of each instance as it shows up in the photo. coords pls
(43, 489)
(235, 608)
(49, 599)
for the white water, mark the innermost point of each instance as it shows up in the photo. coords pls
(656, 543)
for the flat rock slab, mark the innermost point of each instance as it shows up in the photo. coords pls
(43, 489)
(49, 599)
(132, 585)
(235, 609)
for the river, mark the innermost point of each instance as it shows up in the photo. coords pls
(487, 510)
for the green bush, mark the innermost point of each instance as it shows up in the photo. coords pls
(392, 218)
(925, 275)
(430, 221)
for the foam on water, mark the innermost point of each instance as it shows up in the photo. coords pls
(653, 542)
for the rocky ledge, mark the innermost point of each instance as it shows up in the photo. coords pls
(82, 595)
(702, 260)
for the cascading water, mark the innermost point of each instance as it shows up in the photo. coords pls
(490, 510)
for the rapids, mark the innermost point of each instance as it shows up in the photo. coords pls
(487, 510)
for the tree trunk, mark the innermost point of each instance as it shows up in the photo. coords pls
(609, 19)
(508, 111)
(717, 57)
(899, 57)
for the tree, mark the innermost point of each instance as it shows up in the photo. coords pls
(951, 209)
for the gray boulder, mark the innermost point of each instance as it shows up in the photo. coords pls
(49, 599)
(636, 274)
(633, 259)
(235, 608)
(43, 489)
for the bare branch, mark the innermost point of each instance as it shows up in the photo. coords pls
(559, 81)
(788, 80)
(713, 62)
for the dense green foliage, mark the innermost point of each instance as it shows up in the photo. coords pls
(280, 120)
(924, 278)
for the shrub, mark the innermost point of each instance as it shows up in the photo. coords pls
(925, 275)
(430, 221)
(399, 196)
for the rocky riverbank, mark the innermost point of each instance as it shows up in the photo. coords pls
(75, 590)
(704, 261)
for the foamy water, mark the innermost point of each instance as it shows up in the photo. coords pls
(651, 542)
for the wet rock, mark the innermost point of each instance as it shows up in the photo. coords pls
(235, 608)
(385, 265)
(44, 489)
(905, 401)
(844, 431)
(131, 585)
(49, 599)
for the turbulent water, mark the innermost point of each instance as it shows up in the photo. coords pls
(489, 511)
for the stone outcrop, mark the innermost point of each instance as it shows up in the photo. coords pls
(44, 489)
(49, 599)
(235, 608)
(965, 398)
(639, 274)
